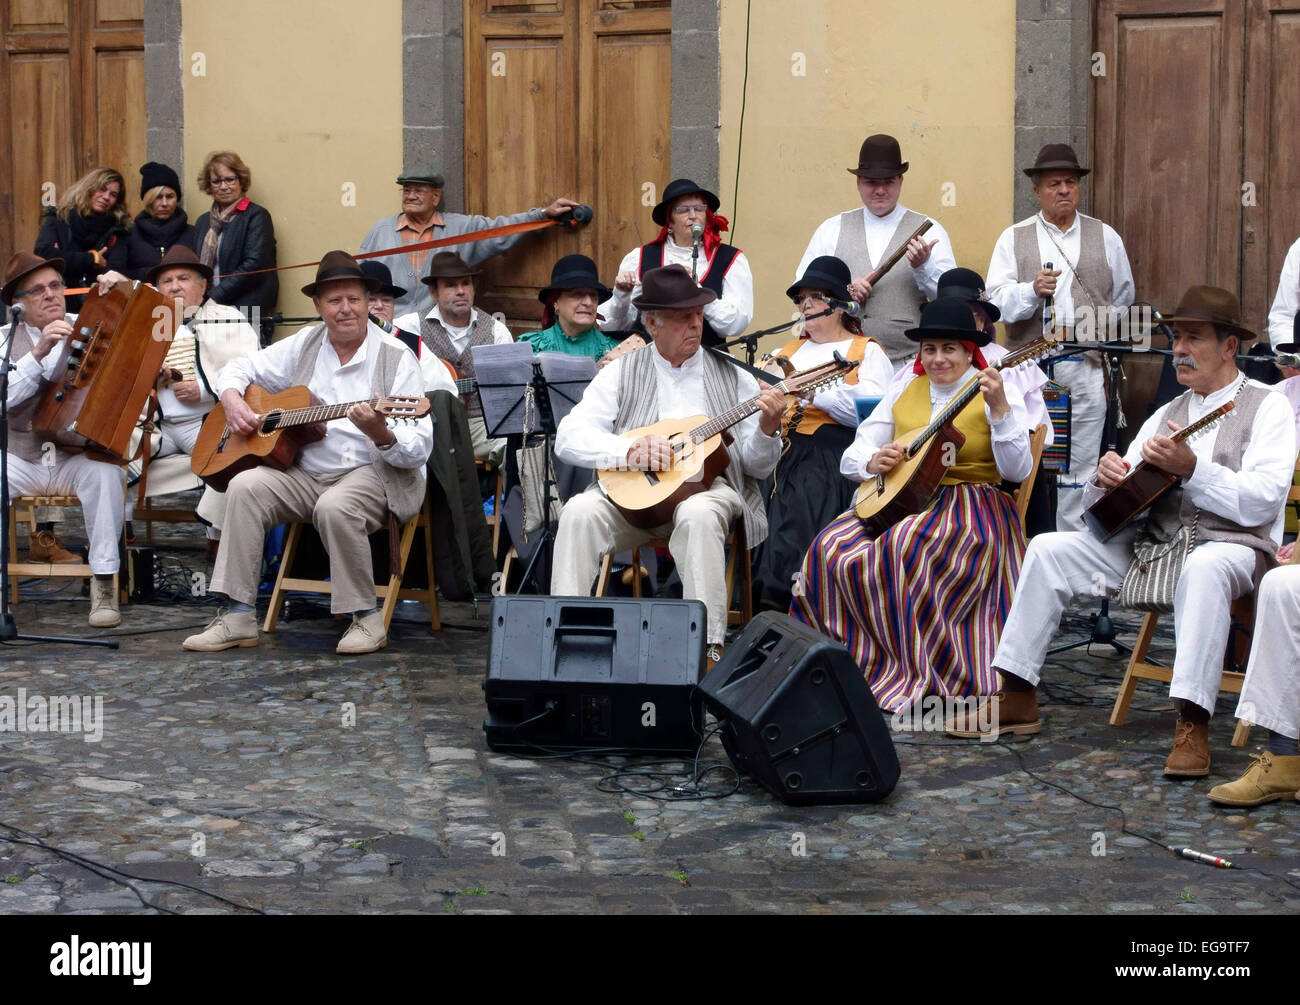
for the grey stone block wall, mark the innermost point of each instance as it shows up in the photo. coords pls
(696, 91)
(433, 93)
(1053, 67)
(163, 83)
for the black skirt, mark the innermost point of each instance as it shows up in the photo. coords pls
(810, 493)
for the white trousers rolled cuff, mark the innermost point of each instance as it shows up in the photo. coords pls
(591, 526)
(99, 487)
(1270, 696)
(1060, 567)
(1087, 424)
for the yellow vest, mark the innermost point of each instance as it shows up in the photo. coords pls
(975, 458)
(814, 418)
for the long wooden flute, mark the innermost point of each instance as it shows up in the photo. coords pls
(894, 259)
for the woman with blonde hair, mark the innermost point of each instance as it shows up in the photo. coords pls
(235, 238)
(160, 224)
(87, 229)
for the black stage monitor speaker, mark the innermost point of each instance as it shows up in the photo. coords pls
(570, 673)
(799, 717)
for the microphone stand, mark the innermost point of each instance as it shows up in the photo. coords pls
(8, 627)
(750, 339)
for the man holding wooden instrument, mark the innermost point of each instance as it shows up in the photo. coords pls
(346, 483)
(866, 239)
(673, 378)
(1232, 484)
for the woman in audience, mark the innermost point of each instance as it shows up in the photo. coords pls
(88, 230)
(160, 224)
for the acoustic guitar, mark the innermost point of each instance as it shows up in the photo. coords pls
(648, 498)
(907, 488)
(1142, 486)
(287, 422)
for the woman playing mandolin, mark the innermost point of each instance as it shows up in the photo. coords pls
(921, 605)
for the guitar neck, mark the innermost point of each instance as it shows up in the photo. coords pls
(466, 385)
(738, 413)
(1208, 419)
(317, 413)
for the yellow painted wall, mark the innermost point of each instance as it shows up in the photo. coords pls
(871, 66)
(309, 94)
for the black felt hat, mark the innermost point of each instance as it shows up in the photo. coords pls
(948, 318)
(880, 157)
(376, 269)
(1056, 157)
(677, 188)
(967, 285)
(575, 272)
(825, 272)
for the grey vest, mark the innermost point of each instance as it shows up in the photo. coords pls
(638, 405)
(1230, 444)
(404, 487)
(1091, 265)
(22, 441)
(481, 332)
(895, 302)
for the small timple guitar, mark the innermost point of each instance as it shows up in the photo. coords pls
(648, 498)
(1142, 486)
(286, 423)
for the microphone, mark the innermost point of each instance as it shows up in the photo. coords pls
(16, 312)
(385, 325)
(1049, 307)
(697, 233)
(850, 307)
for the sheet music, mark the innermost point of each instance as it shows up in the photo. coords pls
(567, 378)
(503, 372)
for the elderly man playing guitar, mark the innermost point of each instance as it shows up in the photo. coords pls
(346, 482)
(674, 378)
(1230, 485)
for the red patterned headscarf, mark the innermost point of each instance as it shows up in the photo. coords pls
(976, 357)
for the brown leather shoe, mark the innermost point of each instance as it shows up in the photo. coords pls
(45, 547)
(1190, 757)
(1014, 712)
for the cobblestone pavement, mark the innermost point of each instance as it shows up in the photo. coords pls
(236, 773)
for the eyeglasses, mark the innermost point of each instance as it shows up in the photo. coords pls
(222, 182)
(809, 298)
(683, 210)
(56, 287)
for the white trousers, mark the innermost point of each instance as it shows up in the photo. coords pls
(1270, 696)
(98, 485)
(1060, 567)
(591, 526)
(177, 437)
(1087, 423)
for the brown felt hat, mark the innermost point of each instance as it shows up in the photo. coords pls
(447, 265)
(178, 256)
(1211, 305)
(1056, 157)
(671, 288)
(23, 264)
(880, 157)
(339, 265)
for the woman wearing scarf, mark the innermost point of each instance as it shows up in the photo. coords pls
(718, 267)
(161, 224)
(88, 230)
(236, 237)
(569, 311)
(922, 605)
(808, 490)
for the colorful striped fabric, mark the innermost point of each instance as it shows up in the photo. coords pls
(921, 607)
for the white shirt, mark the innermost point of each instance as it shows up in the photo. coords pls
(345, 446)
(880, 229)
(1017, 300)
(586, 438)
(1010, 435)
(1281, 316)
(875, 373)
(1254, 495)
(729, 315)
(26, 380)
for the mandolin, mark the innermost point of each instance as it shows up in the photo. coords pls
(648, 498)
(907, 488)
(1142, 486)
(287, 422)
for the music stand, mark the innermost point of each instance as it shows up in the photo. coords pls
(8, 627)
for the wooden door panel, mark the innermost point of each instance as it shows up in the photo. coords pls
(118, 123)
(38, 15)
(119, 13)
(42, 146)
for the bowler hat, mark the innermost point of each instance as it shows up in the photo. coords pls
(421, 176)
(23, 264)
(948, 318)
(1210, 305)
(825, 272)
(178, 256)
(967, 285)
(879, 157)
(376, 269)
(575, 272)
(1056, 157)
(339, 265)
(677, 188)
(446, 265)
(671, 288)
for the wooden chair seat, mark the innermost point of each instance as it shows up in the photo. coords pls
(23, 509)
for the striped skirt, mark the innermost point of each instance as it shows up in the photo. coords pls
(922, 606)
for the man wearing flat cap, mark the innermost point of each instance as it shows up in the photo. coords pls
(1232, 484)
(863, 238)
(1089, 276)
(420, 221)
(346, 483)
(674, 377)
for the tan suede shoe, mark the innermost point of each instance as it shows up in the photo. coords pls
(366, 635)
(1270, 777)
(1190, 757)
(228, 630)
(1014, 712)
(103, 604)
(45, 547)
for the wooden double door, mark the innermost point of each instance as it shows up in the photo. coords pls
(565, 98)
(72, 97)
